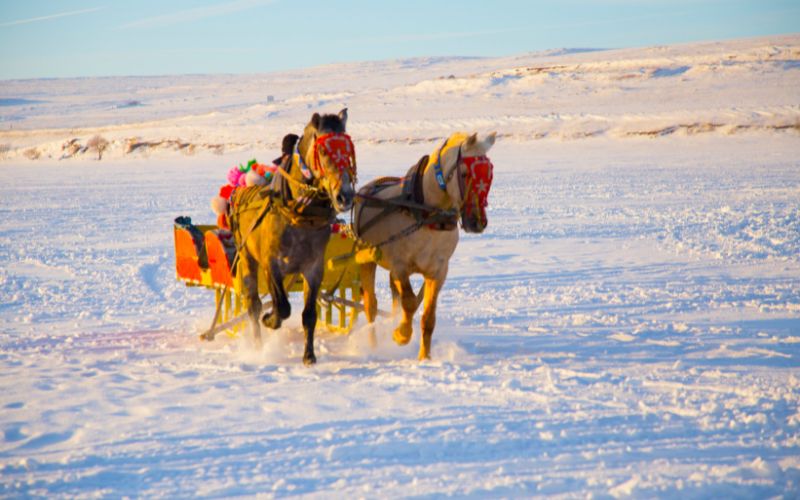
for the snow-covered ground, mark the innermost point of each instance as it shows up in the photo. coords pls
(629, 323)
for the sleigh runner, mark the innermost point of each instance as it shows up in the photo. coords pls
(203, 257)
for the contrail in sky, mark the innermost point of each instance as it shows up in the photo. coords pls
(51, 16)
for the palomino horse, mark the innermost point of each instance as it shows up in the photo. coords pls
(413, 222)
(312, 187)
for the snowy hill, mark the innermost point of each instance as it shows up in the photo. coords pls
(628, 324)
(723, 88)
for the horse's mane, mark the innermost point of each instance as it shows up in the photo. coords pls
(324, 124)
(454, 141)
(330, 124)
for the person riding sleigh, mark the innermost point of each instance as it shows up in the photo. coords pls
(252, 174)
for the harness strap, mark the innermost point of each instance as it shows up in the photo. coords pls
(305, 188)
(387, 209)
(410, 200)
(402, 234)
(435, 218)
(308, 216)
(303, 167)
(418, 210)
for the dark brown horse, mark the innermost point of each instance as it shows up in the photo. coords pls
(316, 183)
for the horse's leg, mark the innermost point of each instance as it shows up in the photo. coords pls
(313, 280)
(432, 288)
(281, 309)
(250, 281)
(408, 300)
(370, 301)
(284, 308)
(395, 294)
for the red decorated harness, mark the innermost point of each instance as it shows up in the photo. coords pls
(479, 175)
(339, 149)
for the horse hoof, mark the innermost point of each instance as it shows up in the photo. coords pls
(272, 321)
(309, 359)
(400, 337)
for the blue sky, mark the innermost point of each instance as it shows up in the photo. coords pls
(65, 38)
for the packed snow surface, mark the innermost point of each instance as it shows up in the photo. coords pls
(627, 325)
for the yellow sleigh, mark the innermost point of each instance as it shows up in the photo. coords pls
(203, 257)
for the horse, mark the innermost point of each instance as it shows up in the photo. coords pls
(412, 222)
(310, 188)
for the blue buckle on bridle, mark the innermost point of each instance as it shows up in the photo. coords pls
(437, 168)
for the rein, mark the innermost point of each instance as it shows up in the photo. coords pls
(301, 186)
(301, 212)
(425, 214)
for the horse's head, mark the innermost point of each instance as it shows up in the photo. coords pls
(467, 174)
(330, 157)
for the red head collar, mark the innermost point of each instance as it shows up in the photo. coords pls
(480, 173)
(339, 149)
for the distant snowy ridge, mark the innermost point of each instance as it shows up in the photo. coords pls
(518, 128)
(733, 87)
